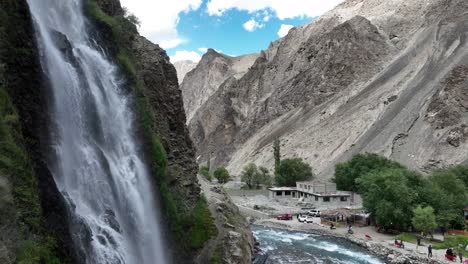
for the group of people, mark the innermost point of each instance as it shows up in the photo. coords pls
(450, 255)
(399, 244)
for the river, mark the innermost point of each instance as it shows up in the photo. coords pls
(294, 247)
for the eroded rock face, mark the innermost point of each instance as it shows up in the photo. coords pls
(369, 76)
(183, 67)
(234, 243)
(213, 70)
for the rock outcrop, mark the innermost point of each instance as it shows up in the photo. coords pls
(184, 67)
(213, 69)
(369, 76)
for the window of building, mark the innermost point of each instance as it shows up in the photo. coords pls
(287, 193)
(326, 199)
(316, 198)
(306, 195)
(294, 194)
(343, 198)
(279, 193)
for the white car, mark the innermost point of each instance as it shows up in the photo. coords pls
(301, 218)
(314, 212)
(309, 219)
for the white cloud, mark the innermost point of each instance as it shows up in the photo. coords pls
(283, 9)
(252, 25)
(159, 22)
(266, 18)
(181, 55)
(284, 29)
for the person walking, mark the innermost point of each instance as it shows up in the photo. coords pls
(429, 251)
(460, 255)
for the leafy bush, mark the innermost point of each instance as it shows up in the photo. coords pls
(253, 177)
(222, 175)
(291, 171)
(205, 172)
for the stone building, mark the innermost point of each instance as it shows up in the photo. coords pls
(321, 195)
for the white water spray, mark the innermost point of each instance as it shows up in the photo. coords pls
(96, 164)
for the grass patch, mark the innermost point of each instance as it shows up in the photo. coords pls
(202, 225)
(407, 237)
(453, 242)
(217, 257)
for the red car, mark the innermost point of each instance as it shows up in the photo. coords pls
(285, 217)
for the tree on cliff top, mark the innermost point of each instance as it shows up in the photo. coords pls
(291, 171)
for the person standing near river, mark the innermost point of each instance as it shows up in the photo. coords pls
(429, 251)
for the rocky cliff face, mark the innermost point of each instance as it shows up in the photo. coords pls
(369, 76)
(184, 67)
(213, 70)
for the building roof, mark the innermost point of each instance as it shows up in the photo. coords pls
(274, 189)
(332, 194)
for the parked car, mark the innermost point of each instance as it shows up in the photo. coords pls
(314, 212)
(285, 217)
(309, 219)
(301, 218)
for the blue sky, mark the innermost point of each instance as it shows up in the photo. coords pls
(185, 28)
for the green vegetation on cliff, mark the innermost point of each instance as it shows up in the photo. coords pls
(192, 227)
(22, 222)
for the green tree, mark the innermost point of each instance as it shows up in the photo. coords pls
(448, 195)
(265, 177)
(388, 196)
(424, 219)
(205, 172)
(292, 170)
(346, 173)
(222, 175)
(277, 154)
(249, 175)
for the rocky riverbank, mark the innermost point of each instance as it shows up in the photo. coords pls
(377, 248)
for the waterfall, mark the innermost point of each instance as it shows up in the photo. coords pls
(96, 160)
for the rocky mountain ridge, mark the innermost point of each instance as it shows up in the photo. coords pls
(368, 76)
(213, 69)
(183, 67)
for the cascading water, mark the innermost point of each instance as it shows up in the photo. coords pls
(96, 163)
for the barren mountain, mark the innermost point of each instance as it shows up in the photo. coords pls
(382, 76)
(183, 67)
(213, 69)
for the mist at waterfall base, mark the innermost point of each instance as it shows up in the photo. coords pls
(96, 160)
(301, 248)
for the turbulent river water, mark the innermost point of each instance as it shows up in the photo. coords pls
(95, 160)
(302, 248)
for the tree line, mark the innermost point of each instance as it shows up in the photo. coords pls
(402, 199)
(285, 172)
